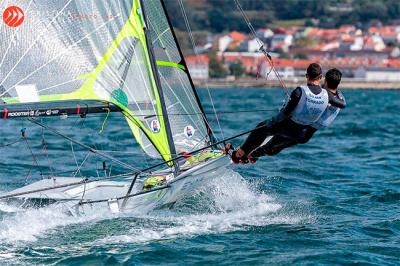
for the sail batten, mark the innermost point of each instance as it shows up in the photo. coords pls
(189, 130)
(118, 52)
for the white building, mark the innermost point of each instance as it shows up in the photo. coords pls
(265, 34)
(374, 43)
(284, 40)
(250, 46)
(358, 44)
(285, 72)
(224, 42)
(198, 67)
(378, 74)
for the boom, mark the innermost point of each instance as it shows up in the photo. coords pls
(27, 111)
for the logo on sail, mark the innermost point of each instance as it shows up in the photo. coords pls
(155, 126)
(189, 131)
(13, 16)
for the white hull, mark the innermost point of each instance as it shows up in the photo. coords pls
(70, 197)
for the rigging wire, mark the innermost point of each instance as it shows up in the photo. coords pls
(12, 143)
(75, 159)
(216, 114)
(140, 172)
(196, 53)
(35, 160)
(262, 47)
(44, 147)
(93, 150)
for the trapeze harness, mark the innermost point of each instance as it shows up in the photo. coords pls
(311, 107)
(330, 114)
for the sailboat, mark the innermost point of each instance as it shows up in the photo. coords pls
(82, 57)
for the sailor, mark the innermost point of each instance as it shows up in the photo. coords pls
(310, 108)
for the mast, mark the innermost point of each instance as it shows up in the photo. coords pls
(183, 62)
(159, 89)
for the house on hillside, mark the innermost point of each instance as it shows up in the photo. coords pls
(389, 34)
(281, 41)
(286, 68)
(326, 35)
(358, 44)
(265, 34)
(285, 72)
(230, 41)
(348, 29)
(223, 43)
(203, 49)
(393, 63)
(250, 61)
(374, 43)
(198, 66)
(350, 42)
(251, 46)
(339, 53)
(328, 46)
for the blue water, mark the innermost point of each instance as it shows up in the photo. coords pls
(335, 200)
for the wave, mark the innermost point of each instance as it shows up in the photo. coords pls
(28, 225)
(228, 203)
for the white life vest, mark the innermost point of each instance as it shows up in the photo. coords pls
(310, 107)
(329, 115)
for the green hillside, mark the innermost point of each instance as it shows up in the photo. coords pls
(221, 15)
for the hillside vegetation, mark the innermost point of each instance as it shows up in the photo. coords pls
(221, 15)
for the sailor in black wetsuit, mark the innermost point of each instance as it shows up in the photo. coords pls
(310, 108)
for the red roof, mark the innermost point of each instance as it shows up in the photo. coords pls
(384, 30)
(393, 63)
(237, 36)
(347, 29)
(348, 38)
(296, 63)
(250, 62)
(285, 31)
(197, 59)
(326, 34)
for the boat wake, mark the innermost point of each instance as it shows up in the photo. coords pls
(27, 225)
(228, 203)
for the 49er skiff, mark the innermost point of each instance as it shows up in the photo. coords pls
(79, 57)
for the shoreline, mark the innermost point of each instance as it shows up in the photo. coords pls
(292, 83)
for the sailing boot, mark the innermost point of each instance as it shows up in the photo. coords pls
(242, 157)
(236, 159)
(230, 151)
(252, 160)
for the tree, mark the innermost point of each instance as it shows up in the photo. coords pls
(216, 68)
(301, 56)
(369, 10)
(305, 42)
(282, 53)
(236, 69)
(219, 16)
(183, 40)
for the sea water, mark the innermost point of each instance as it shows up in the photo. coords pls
(335, 200)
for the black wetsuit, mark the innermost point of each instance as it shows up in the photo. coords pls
(285, 133)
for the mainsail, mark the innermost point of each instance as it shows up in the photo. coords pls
(118, 52)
